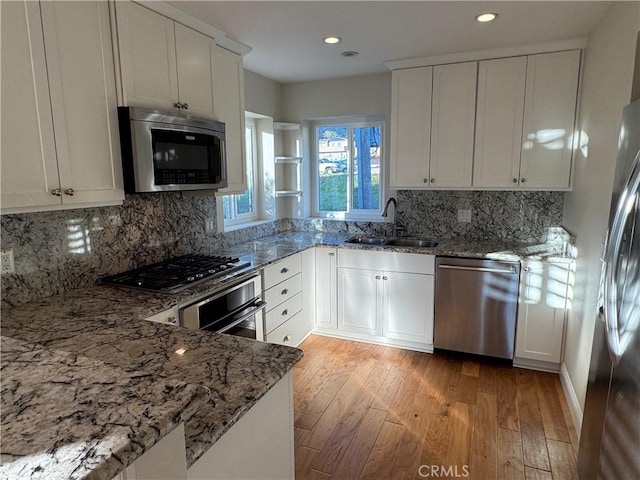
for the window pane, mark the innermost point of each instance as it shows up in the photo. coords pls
(333, 160)
(365, 170)
(244, 202)
(226, 207)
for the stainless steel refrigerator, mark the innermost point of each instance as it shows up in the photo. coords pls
(610, 438)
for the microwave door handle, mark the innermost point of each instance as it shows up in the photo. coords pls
(257, 307)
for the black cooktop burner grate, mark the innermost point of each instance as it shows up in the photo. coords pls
(176, 274)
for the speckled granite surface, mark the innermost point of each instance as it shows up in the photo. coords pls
(67, 416)
(105, 324)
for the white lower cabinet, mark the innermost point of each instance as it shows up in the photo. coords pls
(359, 302)
(408, 307)
(392, 304)
(545, 287)
(326, 290)
(287, 319)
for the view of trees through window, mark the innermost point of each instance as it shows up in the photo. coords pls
(349, 160)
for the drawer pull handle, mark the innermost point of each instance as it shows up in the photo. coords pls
(285, 291)
(284, 270)
(285, 312)
(286, 338)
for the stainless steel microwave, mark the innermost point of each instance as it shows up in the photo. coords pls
(163, 152)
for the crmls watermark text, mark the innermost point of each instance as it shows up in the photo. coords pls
(449, 471)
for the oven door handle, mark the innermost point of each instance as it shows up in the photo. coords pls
(260, 305)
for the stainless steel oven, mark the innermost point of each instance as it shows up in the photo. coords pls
(235, 310)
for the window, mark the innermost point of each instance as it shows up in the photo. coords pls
(349, 169)
(242, 208)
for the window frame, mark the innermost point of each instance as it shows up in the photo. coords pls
(255, 215)
(351, 123)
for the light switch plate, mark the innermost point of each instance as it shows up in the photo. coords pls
(6, 257)
(209, 225)
(464, 216)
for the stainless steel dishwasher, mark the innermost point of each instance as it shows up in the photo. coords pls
(476, 306)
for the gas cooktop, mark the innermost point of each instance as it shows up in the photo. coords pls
(176, 274)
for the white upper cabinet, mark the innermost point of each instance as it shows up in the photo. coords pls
(195, 55)
(60, 142)
(165, 65)
(147, 57)
(411, 127)
(501, 124)
(229, 106)
(499, 116)
(549, 119)
(27, 143)
(452, 125)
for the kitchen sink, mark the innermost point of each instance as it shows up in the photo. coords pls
(394, 241)
(412, 242)
(368, 240)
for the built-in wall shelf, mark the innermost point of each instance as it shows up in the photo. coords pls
(288, 169)
(288, 159)
(288, 193)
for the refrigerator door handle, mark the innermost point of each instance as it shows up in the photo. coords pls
(612, 258)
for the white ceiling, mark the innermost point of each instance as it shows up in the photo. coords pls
(286, 36)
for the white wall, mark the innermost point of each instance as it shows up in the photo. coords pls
(608, 70)
(364, 95)
(262, 95)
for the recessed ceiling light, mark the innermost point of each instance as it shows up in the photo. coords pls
(331, 40)
(350, 53)
(486, 17)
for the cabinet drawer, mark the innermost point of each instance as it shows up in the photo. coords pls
(283, 291)
(169, 317)
(290, 333)
(278, 272)
(387, 261)
(282, 313)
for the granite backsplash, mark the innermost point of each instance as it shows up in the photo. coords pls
(62, 250)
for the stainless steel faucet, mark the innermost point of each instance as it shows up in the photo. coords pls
(398, 230)
(386, 206)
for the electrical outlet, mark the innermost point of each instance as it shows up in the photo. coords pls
(6, 256)
(210, 225)
(464, 216)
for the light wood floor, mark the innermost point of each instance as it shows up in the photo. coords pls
(368, 411)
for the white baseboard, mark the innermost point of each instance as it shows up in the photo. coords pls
(572, 398)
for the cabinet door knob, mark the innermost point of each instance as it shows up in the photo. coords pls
(332, 254)
(172, 320)
(69, 191)
(284, 270)
(433, 180)
(56, 192)
(385, 278)
(286, 338)
(378, 277)
(185, 106)
(285, 312)
(425, 180)
(515, 180)
(285, 291)
(177, 104)
(522, 180)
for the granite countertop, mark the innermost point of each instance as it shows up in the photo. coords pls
(101, 326)
(68, 416)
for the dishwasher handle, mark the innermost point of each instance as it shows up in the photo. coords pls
(510, 270)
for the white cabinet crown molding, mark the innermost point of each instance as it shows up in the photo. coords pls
(488, 54)
(184, 18)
